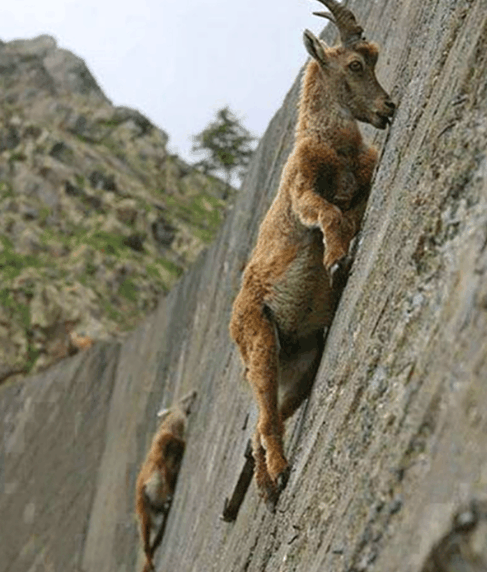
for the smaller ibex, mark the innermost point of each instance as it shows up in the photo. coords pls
(289, 291)
(157, 478)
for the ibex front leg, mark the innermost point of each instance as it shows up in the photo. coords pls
(315, 211)
(317, 170)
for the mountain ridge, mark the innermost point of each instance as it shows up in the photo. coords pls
(98, 219)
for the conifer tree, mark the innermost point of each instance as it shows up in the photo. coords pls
(227, 145)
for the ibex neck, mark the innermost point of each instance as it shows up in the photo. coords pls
(321, 114)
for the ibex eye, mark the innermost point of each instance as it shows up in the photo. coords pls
(356, 66)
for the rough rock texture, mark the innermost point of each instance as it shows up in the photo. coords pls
(389, 454)
(97, 219)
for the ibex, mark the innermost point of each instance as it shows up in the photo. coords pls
(289, 291)
(157, 478)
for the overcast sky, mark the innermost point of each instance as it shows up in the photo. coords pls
(178, 61)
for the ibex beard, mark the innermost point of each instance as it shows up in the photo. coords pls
(289, 289)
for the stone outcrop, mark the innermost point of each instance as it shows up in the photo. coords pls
(389, 463)
(97, 219)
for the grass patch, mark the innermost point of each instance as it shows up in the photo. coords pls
(6, 190)
(23, 312)
(153, 271)
(32, 355)
(80, 180)
(204, 234)
(112, 123)
(170, 266)
(128, 290)
(111, 311)
(210, 218)
(5, 240)
(44, 213)
(113, 146)
(70, 236)
(203, 212)
(90, 268)
(19, 310)
(11, 263)
(6, 299)
(82, 138)
(17, 156)
(106, 242)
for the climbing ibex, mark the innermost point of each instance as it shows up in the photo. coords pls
(157, 478)
(289, 290)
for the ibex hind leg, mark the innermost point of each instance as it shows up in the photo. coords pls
(262, 373)
(298, 371)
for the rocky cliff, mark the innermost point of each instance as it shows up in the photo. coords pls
(97, 219)
(389, 454)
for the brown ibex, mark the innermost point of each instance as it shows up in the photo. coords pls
(289, 292)
(157, 478)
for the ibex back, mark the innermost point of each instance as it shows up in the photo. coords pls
(288, 295)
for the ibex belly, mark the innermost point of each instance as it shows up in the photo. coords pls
(302, 301)
(155, 491)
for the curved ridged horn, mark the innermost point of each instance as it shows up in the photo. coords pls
(350, 31)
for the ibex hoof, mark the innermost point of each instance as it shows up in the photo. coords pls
(273, 493)
(339, 272)
(271, 502)
(282, 479)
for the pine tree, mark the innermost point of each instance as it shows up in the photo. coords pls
(227, 145)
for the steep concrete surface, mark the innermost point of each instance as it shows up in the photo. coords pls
(389, 455)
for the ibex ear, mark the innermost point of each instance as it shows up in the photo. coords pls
(186, 402)
(315, 47)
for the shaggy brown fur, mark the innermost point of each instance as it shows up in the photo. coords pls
(157, 478)
(287, 297)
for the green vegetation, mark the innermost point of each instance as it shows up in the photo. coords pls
(5, 240)
(110, 311)
(11, 263)
(128, 290)
(32, 355)
(106, 242)
(170, 266)
(112, 123)
(90, 268)
(203, 212)
(227, 145)
(19, 313)
(153, 271)
(17, 156)
(5, 190)
(80, 180)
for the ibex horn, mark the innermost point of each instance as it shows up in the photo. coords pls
(344, 20)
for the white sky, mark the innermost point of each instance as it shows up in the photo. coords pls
(178, 61)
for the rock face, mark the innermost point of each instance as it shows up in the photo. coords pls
(389, 462)
(97, 219)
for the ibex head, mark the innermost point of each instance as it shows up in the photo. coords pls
(184, 404)
(350, 68)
